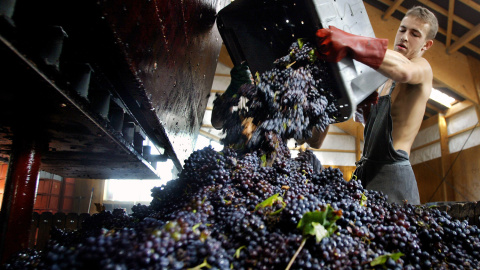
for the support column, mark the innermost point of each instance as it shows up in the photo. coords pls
(447, 195)
(19, 196)
(358, 146)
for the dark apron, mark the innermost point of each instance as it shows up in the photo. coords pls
(381, 167)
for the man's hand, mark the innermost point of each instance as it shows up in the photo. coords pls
(334, 44)
(240, 74)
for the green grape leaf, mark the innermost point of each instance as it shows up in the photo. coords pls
(237, 252)
(300, 42)
(313, 56)
(320, 224)
(270, 201)
(381, 260)
(363, 200)
(200, 266)
(196, 226)
(319, 231)
(264, 160)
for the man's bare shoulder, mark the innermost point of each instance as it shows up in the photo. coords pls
(422, 63)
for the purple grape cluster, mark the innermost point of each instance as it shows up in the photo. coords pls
(231, 211)
(291, 99)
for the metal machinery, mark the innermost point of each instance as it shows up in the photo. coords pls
(85, 83)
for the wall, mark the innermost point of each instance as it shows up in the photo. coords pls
(3, 177)
(83, 193)
(460, 144)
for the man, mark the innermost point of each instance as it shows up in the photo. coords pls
(395, 120)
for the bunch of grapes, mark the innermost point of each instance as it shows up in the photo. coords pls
(230, 211)
(290, 100)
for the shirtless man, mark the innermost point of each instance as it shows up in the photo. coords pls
(395, 120)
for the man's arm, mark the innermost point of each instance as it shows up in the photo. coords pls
(317, 138)
(334, 44)
(400, 69)
(240, 74)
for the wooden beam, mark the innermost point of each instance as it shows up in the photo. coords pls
(474, 65)
(471, 4)
(338, 133)
(445, 153)
(358, 146)
(429, 122)
(217, 91)
(350, 127)
(430, 106)
(391, 9)
(451, 7)
(429, 114)
(323, 150)
(443, 11)
(222, 75)
(477, 109)
(473, 33)
(224, 57)
(463, 130)
(209, 135)
(425, 145)
(457, 108)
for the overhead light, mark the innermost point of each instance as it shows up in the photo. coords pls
(442, 98)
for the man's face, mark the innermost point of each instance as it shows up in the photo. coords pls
(411, 38)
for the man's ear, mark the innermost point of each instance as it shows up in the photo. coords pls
(427, 45)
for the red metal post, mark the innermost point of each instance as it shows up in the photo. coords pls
(19, 196)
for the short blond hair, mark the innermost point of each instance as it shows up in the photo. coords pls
(426, 16)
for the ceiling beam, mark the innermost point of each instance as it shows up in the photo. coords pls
(432, 107)
(473, 33)
(475, 69)
(451, 7)
(444, 12)
(471, 4)
(351, 127)
(391, 9)
(209, 135)
(429, 114)
(224, 57)
(457, 108)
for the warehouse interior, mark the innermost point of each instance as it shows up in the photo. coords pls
(143, 100)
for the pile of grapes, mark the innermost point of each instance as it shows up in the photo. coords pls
(263, 209)
(294, 97)
(233, 212)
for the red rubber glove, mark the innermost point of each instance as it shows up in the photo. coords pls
(334, 44)
(364, 107)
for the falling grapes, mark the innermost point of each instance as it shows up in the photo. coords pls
(262, 209)
(293, 98)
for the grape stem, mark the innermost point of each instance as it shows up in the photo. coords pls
(296, 253)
